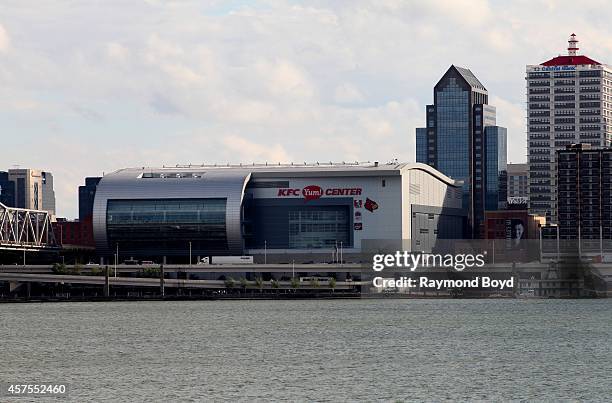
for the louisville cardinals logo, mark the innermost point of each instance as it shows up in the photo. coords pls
(371, 205)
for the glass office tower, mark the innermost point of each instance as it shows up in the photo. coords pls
(458, 142)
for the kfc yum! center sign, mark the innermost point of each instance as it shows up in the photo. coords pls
(313, 192)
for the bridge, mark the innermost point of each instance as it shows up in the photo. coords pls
(26, 230)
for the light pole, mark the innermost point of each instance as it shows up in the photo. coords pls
(336, 251)
(189, 253)
(116, 258)
(341, 252)
(265, 252)
(293, 269)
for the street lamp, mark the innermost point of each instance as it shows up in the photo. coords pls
(265, 252)
(189, 253)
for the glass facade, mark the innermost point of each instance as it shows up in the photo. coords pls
(453, 131)
(7, 190)
(457, 145)
(289, 224)
(496, 167)
(318, 227)
(21, 193)
(167, 226)
(421, 145)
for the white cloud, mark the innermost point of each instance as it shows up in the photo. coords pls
(4, 39)
(347, 93)
(166, 82)
(246, 150)
(117, 52)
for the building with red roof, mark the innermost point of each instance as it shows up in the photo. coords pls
(569, 101)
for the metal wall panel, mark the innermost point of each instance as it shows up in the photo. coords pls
(128, 184)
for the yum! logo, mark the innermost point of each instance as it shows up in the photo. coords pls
(312, 192)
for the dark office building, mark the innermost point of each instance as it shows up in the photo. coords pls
(7, 190)
(462, 141)
(584, 202)
(87, 194)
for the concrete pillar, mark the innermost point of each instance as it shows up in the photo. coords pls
(106, 282)
(162, 289)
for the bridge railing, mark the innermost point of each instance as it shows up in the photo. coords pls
(24, 229)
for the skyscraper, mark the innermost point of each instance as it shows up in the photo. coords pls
(7, 190)
(87, 194)
(48, 194)
(584, 210)
(461, 140)
(569, 101)
(33, 189)
(517, 180)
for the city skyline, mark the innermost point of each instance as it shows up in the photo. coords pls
(237, 82)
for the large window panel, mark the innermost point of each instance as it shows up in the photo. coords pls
(167, 226)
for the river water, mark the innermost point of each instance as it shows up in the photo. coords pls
(313, 350)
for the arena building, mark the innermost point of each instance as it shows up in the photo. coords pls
(252, 210)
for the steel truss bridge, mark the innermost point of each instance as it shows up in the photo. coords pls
(26, 230)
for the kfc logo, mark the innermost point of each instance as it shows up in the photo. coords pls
(371, 205)
(288, 192)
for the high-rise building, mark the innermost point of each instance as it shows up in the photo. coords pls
(33, 189)
(48, 194)
(517, 181)
(569, 101)
(87, 194)
(7, 190)
(584, 199)
(461, 140)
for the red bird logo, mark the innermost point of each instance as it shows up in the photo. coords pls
(371, 205)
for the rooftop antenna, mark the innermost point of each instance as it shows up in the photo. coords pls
(572, 49)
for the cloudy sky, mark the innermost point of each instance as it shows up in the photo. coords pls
(90, 88)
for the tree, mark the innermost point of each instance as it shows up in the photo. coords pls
(295, 283)
(229, 282)
(59, 268)
(332, 283)
(274, 283)
(243, 283)
(314, 282)
(259, 283)
(76, 269)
